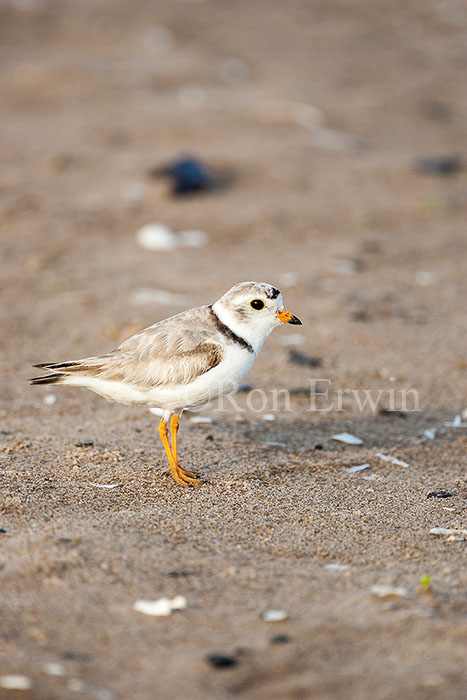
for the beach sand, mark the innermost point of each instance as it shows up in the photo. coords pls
(320, 111)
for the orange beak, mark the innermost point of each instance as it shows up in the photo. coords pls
(287, 317)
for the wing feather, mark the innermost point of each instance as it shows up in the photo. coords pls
(173, 351)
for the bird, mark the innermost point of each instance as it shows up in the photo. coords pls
(182, 362)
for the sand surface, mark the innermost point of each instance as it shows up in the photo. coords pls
(95, 95)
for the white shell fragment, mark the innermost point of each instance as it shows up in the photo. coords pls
(162, 607)
(15, 682)
(156, 411)
(103, 486)
(382, 591)
(430, 434)
(393, 460)
(333, 566)
(456, 423)
(201, 420)
(268, 416)
(49, 399)
(53, 668)
(399, 462)
(357, 468)
(348, 438)
(155, 236)
(274, 615)
(273, 443)
(179, 602)
(453, 535)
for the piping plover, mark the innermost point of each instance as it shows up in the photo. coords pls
(184, 361)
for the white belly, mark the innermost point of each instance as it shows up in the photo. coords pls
(222, 379)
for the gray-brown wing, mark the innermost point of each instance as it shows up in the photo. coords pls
(173, 351)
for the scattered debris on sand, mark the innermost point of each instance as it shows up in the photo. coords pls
(274, 616)
(163, 607)
(347, 438)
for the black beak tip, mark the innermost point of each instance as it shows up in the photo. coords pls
(294, 321)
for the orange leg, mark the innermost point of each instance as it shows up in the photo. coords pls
(173, 434)
(178, 474)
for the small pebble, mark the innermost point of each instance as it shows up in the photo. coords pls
(84, 443)
(280, 639)
(430, 434)
(441, 165)
(53, 668)
(274, 616)
(188, 175)
(49, 400)
(15, 682)
(268, 417)
(76, 685)
(162, 607)
(221, 660)
(300, 358)
(440, 494)
(382, 591)
(201, 420)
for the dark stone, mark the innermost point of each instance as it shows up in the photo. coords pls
(318, 446)
(280, 639)
(440, 165)
(436, 111)
(360, 316)
(176, 574)
(299, 358)
(2, 531)
(300, 391)
(210, 438)
(245, 388)
(85, 443)
(440, 494)
(221, 660)
(76, 656)
(190, 175)
(391, 414)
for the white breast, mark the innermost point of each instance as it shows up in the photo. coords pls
(222, 379)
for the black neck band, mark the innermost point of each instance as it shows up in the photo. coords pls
(228, 332)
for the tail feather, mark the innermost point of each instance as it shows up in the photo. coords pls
(48, 379)
(90, 364)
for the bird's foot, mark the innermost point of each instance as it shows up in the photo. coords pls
(185, 476)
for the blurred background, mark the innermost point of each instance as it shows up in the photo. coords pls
(323, 149)
(334, 138)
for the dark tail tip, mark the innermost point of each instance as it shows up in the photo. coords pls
(48, 379)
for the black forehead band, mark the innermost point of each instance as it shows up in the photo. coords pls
(272, 293)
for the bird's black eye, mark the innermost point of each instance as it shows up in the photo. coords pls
(257, 304)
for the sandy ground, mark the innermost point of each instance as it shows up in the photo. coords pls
(93, 96)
